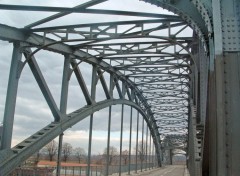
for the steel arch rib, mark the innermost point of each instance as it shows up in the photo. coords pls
(187, 11)
(40, 138)
(11, 158)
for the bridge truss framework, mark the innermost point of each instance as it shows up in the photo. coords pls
(186, 87)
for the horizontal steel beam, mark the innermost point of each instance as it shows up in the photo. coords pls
(58, 15)
(80, 10)
(134, 22)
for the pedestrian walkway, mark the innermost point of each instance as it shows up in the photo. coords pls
(173, 170)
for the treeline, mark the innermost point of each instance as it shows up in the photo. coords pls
(69, 153)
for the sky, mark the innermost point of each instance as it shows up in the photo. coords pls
(32, 112)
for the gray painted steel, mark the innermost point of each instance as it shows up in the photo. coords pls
(1, 129)
(11, 98)
(186, 87)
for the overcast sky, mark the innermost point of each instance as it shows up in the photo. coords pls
(32, 112)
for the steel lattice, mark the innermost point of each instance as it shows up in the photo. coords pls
(151, 57)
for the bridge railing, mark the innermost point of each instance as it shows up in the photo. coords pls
(99, 170)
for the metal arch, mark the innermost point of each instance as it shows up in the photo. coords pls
(145, 99)
(187, 11)
(65, 46)
(22, 145)
(11, 158)
(204, 16)
(21, 38)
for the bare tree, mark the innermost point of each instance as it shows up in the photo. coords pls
(80, 154)
(51, 149)
(112, 154)
(141, 150)
(125, 154)
(66, 151)
(37, 157)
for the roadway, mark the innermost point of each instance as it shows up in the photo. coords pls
(174, 170)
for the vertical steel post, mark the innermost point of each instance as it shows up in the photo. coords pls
(93, 96)
(59, 157)
(152, 153)
(130, 142)
(146, 164)
(109, 125)
(142, 150)
(150, 149)
(108, 138)
(90, 145)
(65, 83)
(10, 103)
(220, 146)
(63, 105)
(155, 156)
(171, 156)
(232, 101)
(136, 159)
(121, 135)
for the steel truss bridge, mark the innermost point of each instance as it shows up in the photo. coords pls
(179, 71)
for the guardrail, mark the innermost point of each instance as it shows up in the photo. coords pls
(80, 170)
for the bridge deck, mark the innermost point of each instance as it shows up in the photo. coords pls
(174, 170)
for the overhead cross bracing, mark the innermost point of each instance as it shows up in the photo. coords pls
(178, 72)
(151, 56)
